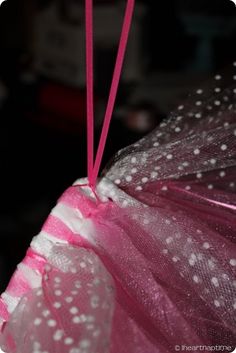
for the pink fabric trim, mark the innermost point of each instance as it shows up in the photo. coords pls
(55, 227)
(18, 285)
(3, 310)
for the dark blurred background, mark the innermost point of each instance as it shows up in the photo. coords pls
(173, 47)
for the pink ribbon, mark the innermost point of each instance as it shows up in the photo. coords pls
(93, 168)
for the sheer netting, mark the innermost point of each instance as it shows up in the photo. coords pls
(148, 264)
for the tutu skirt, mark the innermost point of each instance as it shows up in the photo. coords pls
(148, 264)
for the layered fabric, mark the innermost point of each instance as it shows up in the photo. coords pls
(147, 262)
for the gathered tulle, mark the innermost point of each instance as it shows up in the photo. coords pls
(150, 262)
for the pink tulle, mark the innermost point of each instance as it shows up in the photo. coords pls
(148, 264)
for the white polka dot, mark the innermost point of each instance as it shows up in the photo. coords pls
(51, 323)
(199, 91)
(196, 151)
(57, 279)
(210, 139)
(139, 188)
(58, 292)
(97, 333)
(144, 180)
(191, 262)
(73, 310)
(69, 299)
(218, 77)
(185, 164)
(234, 305)
(163, 125)
(215, 281)
(199, 175)
(57, 305)
(76, 320)
(46, 313)
(175, 259)
(73, 270)
(180, 107)
(164, 188)
(200, 257)
(133, 160)
(196, 279)
(37, 321)
(36, 345)
(198, 115)
(217, 102)
(169, 156)
(58, 335)
(211, 264)
(217, 303)
(217, 89)
(206, 245)
(85, 344)
(235, 132)
(169, 240)
(154, 175)
(134, 170)
(232, 185)
(156, 144)
(129, 178)
(192, 259)
(232, 262)
(226, 125)
(188, 187)
(179, 118)
(77, 284)
(177, 129)
(222, 174)
(117, 181)
(39, 292)
(223, 147)
(68, 341)
(210, 186)
(39, 305)
(213, 161)
(198, 103)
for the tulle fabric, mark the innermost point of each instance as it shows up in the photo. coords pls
(149, 262)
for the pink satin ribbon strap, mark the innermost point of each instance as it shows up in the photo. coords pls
(89, 80)
(93, 172)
